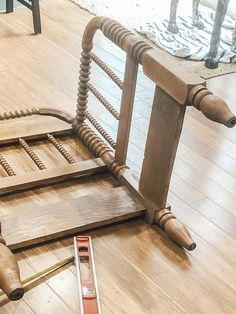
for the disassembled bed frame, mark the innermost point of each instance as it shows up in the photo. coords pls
(175, 90)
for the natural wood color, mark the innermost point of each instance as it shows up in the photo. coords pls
(136, 50)
(43, 70)
(10, 281)
(169, 76)
(213, 107)
(126, 110)
(61, 149)
(52, 175)
(60, 114)
(45, 272)
(69, 217)
(36, 128)
(107, 70)
(6, 166)
(187, 92)
(30, 152)
(162, 140)
(103, 101)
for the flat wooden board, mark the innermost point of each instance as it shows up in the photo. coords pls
(31, 127)
(48, 176)
(36, 225)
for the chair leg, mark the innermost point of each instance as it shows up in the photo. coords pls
(233, 47)
(211, 61)
(36, 16)
(9, 6)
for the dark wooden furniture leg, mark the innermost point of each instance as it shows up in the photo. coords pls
(33, 5)
(36, 16)
(9, 6)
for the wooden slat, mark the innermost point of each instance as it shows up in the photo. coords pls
(35, 127)
(163, 137)
(126, 110)
(35, 225)
(52, 175)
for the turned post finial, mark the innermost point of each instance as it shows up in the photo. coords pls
(10, 281)
(213, 107)
(174, 228)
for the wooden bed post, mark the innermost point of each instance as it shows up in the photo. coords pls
(162, 141)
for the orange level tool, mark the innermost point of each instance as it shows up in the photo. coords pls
(87, 281)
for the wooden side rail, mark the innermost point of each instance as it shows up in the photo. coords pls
(62, 115)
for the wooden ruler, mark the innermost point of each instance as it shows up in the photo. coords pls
(87, 282)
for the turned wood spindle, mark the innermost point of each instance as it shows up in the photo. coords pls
(164, 130)
(10, 281)
(84, 78)
(100, 129)
(6, 166)
(18, 114)
(98, 147)
(32, 154)
(103, 101)
(61, 149)
(107, 70)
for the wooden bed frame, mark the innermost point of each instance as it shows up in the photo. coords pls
(175, 90)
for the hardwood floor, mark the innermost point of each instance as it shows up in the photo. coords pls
(138, 269)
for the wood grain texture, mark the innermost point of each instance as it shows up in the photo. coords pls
(36, 225)
(138, 269)
(34, 128)
(48, 176)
